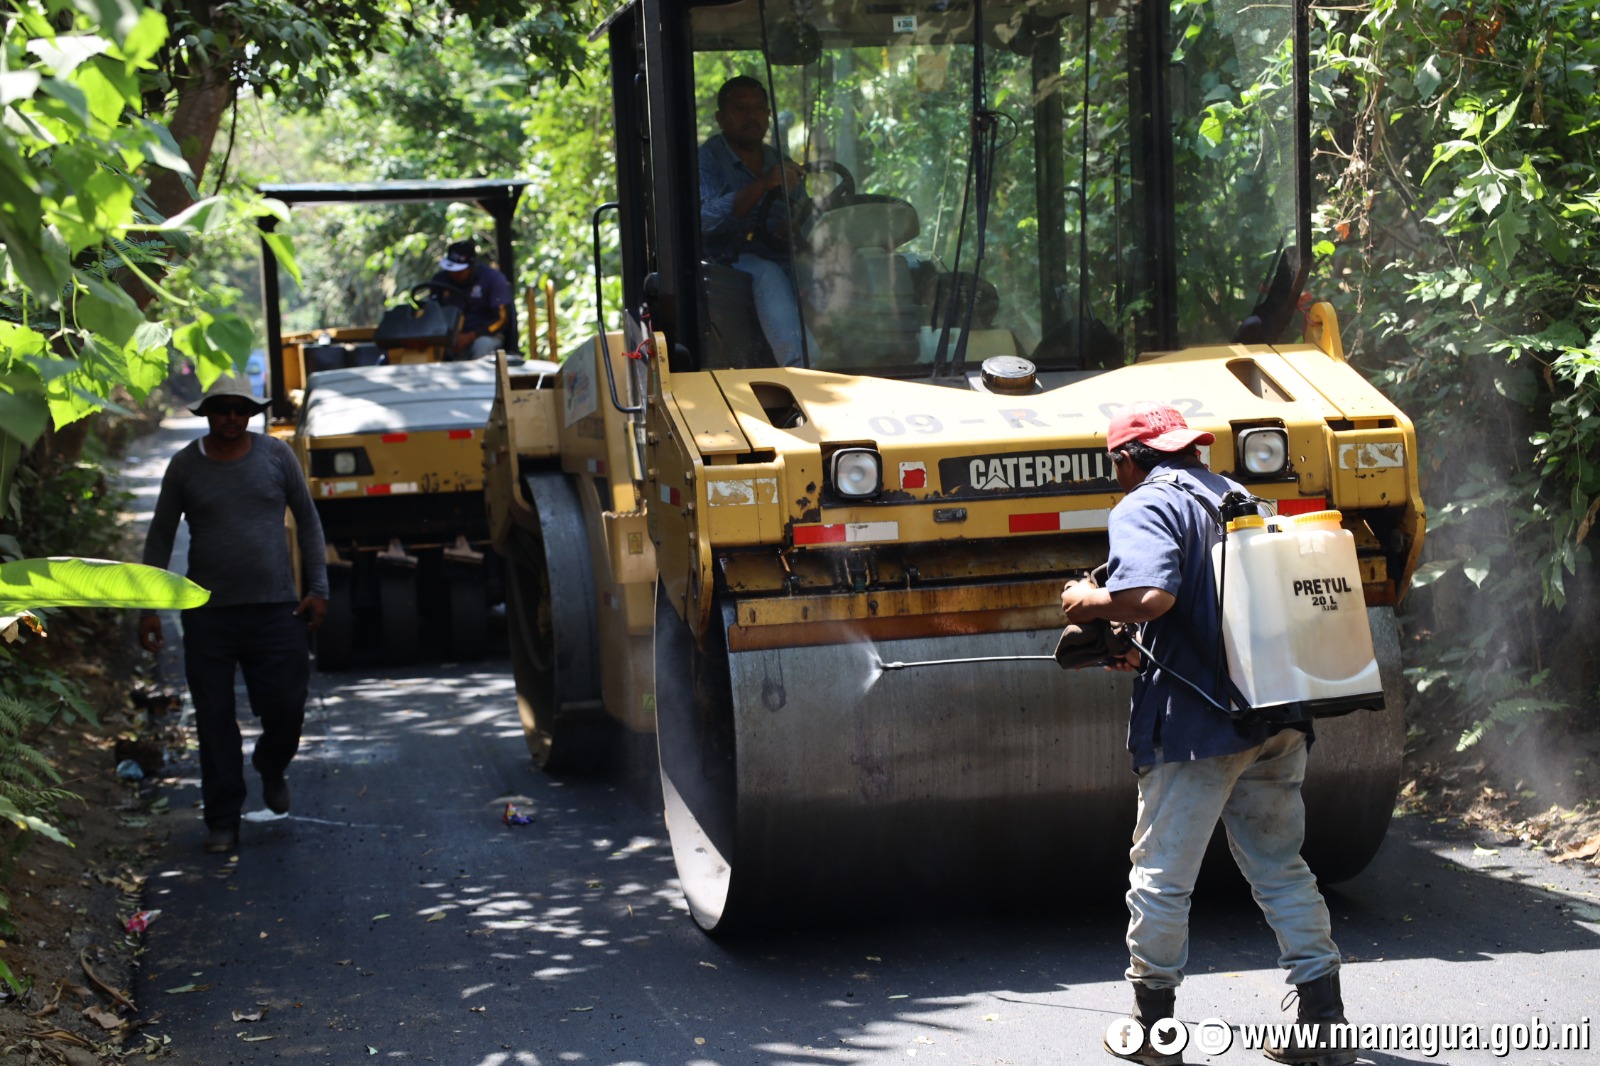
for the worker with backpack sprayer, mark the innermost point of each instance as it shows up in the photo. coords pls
(1196, 762)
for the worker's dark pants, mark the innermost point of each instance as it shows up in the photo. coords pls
(268, 642)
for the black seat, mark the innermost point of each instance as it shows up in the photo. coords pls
(733, 338)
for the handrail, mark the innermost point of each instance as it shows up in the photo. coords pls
(599, 311)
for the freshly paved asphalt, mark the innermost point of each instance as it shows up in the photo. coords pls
(393, 917)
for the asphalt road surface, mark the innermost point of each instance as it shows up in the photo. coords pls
(394, 917)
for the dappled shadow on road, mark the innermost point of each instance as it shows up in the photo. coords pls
(394, 910)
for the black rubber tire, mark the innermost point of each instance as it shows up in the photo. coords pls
(336, 638)
(468, 598)
(551, 627)
(397, 613)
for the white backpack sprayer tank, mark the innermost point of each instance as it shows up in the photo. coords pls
(1294, 618)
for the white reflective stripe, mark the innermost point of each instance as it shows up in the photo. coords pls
(1099, 519)
(334, 488)
(402, 486)
(855, 532)
(1372, 455)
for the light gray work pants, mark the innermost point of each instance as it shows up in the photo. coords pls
(1256, 794)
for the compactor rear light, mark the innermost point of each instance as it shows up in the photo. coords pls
(1264, 452)
(857, 473)
(340, 462)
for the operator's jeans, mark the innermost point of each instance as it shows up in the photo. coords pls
(269, 644)
(773, 289)
(1256, 794)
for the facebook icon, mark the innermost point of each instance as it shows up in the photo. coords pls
(1124, 1036)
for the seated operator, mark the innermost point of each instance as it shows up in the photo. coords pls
(482, 293)
(737, 169)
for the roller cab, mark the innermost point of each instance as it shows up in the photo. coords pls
(863, 423)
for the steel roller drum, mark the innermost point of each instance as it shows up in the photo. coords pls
(806, 779)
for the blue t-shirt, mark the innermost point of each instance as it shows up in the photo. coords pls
(722, 175)
(487, 291)
(1162, 538)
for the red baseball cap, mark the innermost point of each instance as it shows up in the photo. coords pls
(1155, 424)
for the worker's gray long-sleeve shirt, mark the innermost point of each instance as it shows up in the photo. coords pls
(237, 547)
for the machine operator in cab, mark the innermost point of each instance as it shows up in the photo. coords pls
(482, 293)
(738, 170)
(1197, 766)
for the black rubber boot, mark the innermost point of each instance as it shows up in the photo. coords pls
(1150, 1006)
(1311, 1041)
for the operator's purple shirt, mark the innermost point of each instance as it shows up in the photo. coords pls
(1162, 538)
(487, 291)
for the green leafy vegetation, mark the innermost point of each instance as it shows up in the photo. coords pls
(1458, 147)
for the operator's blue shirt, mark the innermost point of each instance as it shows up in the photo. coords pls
(722, 175)
(1162, 538)
(487, 290)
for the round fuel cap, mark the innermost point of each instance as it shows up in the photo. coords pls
(1008, 373)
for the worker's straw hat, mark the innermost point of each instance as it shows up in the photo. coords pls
(232, 387)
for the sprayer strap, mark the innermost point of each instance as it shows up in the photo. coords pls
(1222, 678)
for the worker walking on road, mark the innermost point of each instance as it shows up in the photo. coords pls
(233, 486)
(1196, 765)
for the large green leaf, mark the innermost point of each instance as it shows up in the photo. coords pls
(23, 415)
(9, 811)
(107, 310)
(69, 582)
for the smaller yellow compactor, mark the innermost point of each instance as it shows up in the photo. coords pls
(1041, 218)
(390, 434)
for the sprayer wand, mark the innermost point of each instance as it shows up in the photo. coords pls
(979, 659)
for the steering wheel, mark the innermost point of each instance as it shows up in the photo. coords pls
(424, 290)
(803, 209)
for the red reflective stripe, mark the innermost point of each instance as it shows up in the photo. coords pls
(1291, 507)
(461, 434)
(377, 490)
(395, 438)
(831, 534)
(1048, 521)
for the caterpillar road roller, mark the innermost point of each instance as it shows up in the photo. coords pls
(1004, 219)
(389, 434)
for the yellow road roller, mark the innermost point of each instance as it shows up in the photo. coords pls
(863, 423)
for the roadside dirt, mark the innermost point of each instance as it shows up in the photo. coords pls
(70, 906)
(1539, 788)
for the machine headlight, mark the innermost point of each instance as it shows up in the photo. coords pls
(1264, 452)
(857, 473)
(340, 462)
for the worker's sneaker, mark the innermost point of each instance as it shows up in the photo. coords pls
(222, 839)
(1310, 1040)
(275, 792)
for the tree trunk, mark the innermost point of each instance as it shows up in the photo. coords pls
(203, 99)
